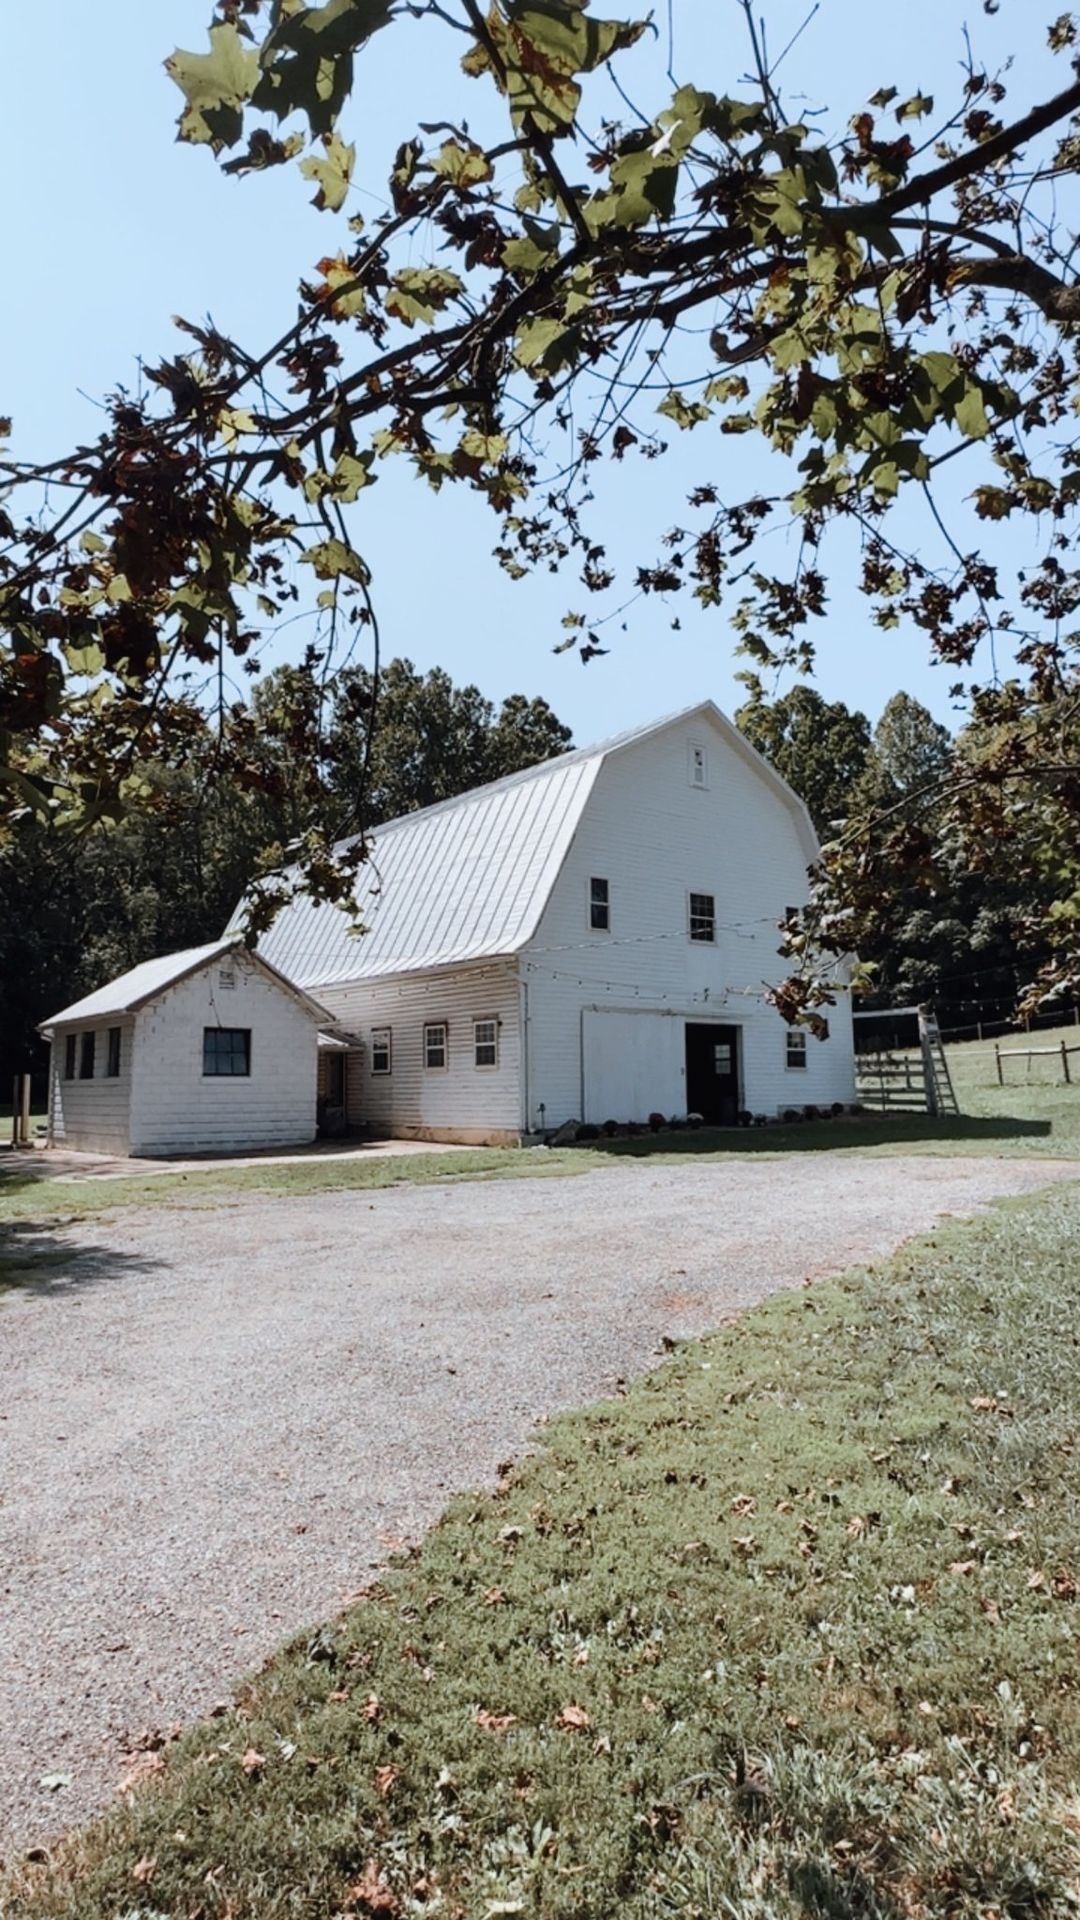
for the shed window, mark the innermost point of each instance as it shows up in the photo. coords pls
(435, 1049)
(697, 765)
(486, 1042)
(112, 1065)
(382, 1056)
(86, 1056)
(69, 1057)
(599, 906)
(703, 916)
(796, 1047)
(226, 1051)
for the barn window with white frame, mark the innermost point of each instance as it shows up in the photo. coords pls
(486, 1042)
(435, 1047)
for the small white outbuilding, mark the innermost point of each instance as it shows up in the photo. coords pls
(207, 1051)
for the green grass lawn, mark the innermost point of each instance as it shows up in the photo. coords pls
(789, 1630)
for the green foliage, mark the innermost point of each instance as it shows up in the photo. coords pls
(819, 747)
(868, 309)
(787, 1629)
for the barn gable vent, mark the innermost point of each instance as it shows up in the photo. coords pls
(697, 765)
(226, 977)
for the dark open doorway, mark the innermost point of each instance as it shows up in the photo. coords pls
(712, 1073)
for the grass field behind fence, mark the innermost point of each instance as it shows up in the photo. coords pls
(786, 1633)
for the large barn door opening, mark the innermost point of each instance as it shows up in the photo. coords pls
(712, 1073)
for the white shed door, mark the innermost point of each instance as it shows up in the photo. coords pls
(634, 1065)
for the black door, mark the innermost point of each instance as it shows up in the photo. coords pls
(712, 1074)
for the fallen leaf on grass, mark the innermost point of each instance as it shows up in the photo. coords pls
(744, 1504)
(371, 1708)
(494, 1597)
(963, 1566)
(370, 1894)
(143, 1870)
(493, 1722)
(572, 1717)
(252, 1761)
(385, 1778)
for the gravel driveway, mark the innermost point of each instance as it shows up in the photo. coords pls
(215, 1420)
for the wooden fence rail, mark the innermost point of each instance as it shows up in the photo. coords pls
(1031, 1053)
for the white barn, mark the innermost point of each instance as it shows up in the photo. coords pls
(589, 939)
(209, 1050)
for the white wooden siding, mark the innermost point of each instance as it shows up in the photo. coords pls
(466, 1102)
(656, 839)
(91, 1116)
(175, 1108)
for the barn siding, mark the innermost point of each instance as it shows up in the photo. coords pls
(481, 1105)
(176, 1109)
(91, 1116)
(655, 838)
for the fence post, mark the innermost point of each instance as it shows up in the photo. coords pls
(24, 1112)
(1065, 1063)
(997, 1062)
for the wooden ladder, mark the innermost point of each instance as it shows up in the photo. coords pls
(940, 1093)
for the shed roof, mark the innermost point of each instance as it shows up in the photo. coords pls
(131, 990)
(468, 879)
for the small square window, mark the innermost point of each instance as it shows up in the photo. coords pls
(382, 1056)
(226, 978)
(86, 1056)
(69, 1057)
(435, 1049)
(112, 1065)
(599, 906)
(796, 1047)
(226, 1052)
(697, 765)
(703, 917)
(486, 1042)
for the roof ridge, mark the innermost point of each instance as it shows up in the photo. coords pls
(572, 756)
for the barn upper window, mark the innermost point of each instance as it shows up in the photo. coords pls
(86, 1056)
(382, 1058)
(599, 906)
(796, 1047)
(703, 916)
(435, 1051)
(226, 1051)
(697, 765)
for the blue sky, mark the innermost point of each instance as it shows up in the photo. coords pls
(110, 227)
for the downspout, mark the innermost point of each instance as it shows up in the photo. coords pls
(523, 999)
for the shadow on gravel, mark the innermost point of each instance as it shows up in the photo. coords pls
(825, 1136)
(35, 1259)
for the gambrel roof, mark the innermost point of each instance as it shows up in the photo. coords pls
(469, 878)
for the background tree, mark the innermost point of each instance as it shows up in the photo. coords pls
(871, 307)
(818, 745)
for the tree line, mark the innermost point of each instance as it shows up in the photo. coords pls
(75, 910)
